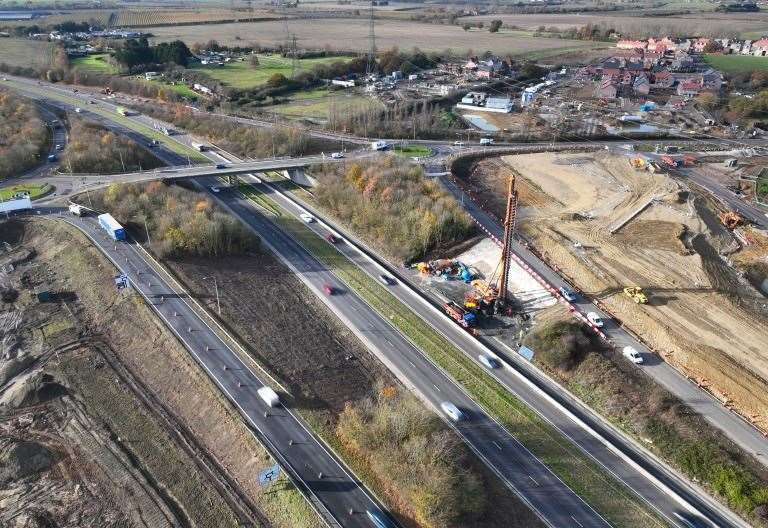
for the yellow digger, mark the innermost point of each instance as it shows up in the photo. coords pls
(636, 294)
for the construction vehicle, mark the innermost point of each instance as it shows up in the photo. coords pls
(446, 268)
(465, 318)
(636, 294)
(107, 91)
(731, 220)
(637, 163)
(689, 161)
(669, 161)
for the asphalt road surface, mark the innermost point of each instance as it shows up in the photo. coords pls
(327, 483)
(557, 504)
(624, 459)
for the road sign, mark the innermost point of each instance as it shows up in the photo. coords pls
(121, 281)
(269, 475)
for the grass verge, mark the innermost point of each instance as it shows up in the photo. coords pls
(412, 150)
(35, 191)
(610, 498)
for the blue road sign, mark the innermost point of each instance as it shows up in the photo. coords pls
(269, 475)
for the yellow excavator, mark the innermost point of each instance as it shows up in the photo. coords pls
(636, 294)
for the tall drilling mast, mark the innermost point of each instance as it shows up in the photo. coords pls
(370, 66)
(506, 250)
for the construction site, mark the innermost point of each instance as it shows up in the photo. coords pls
(661, 256)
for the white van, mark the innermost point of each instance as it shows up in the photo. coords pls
(595, 319)
(486, 141)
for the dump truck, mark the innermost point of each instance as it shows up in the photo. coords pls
(111, 226)
(637, 163)
(636, 294)
(689, 161)
(669, 161)
(460, 315)
(269, 396)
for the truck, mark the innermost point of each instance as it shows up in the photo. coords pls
(486, 141)
(670, 161)
(269, 396)
(77, 210)
(200, 147)
(111, 226)
(17, 204)
(465, 318)
(379, 145)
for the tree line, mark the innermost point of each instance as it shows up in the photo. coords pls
(138, 53)
(393, 205)
(24, 138)
(181, 222)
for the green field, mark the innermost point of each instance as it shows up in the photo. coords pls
(35, 191)
(241, 74)
(93, 64)
(418, 151)
(321, 103)
(737, 63)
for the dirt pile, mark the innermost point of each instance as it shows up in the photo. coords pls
(570, 203)
(32, 389)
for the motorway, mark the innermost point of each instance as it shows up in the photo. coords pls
(658, 486)
(332, 490)
(744, 434)
(693, 395)
(557, 504)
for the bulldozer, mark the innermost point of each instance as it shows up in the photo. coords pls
(636, 294)
(731, 220)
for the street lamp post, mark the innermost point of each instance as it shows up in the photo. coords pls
(216, 287)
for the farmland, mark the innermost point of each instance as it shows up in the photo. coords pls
(93, 64)
(243, 75)
(25, 53)
(321, 104)
(147, 18)
(737, 63)
(351, 35)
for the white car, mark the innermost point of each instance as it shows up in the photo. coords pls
(595, 319)
(336, 155)
(308, 218)
(452, 411)
(78, 110)
(215, 189)
(632, 355)
(489, 361)
(568, 294)
(458, 143)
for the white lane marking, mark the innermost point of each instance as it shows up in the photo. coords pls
(534, 481)
(576, 521)
(498, 446)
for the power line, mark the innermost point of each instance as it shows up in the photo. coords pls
(370, 66)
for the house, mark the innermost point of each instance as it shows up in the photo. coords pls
(746, 48)
(631, 44)
(607, 89)
(471, 65)
(682, 63)
(202, 89)
(700, 43)
(760, 47)
(663, 79)
(712, 79)
(344, 83)
(474, 98)
(641, 85)
(690, 87)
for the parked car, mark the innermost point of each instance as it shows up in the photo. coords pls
(489, 361)
(633, 355)
(595, 319)
(452, 411)
(308, 218)
(568, 294)
(386, 280)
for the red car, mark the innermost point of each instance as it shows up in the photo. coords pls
(328, 289)
(331, 238)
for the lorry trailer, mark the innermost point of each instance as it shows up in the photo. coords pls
(112, 227)
(19, 204)
(464, 317)
(269, 396)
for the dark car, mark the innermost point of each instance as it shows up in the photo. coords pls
(221, 165)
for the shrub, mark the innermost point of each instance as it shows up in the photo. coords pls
(181, 222)
(415, 456)
(391, 203)
(561, 345)
(23, 136)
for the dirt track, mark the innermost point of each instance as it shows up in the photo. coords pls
(698, 315)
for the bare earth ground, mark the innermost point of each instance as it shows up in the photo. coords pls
(693, 318)
(352, 34)
(142, 431)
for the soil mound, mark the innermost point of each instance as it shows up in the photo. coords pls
(21, 459)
